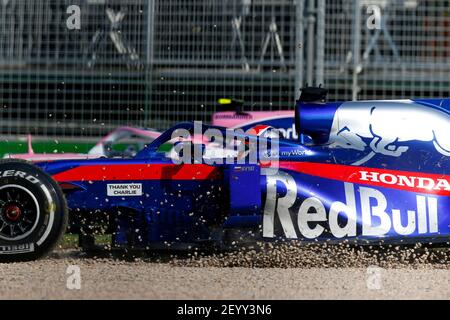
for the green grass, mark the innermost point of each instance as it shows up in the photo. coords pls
(18, 146)
(70, 241)
(53, 146)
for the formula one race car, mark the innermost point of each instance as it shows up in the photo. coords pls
(378, 171)
(233, 116)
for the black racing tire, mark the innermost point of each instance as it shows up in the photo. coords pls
(33, 212)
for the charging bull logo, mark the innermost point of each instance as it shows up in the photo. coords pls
(385, 127)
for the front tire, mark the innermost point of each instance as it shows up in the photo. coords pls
(33, 212)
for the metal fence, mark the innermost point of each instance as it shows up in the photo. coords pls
(60, 81)
(204, 50)
(154, 62)
(408, 55)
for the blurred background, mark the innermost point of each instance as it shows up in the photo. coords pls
(152, 63)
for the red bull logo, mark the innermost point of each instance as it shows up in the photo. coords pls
(370, 212)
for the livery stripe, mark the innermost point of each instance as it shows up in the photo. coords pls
(137, 172)
(385, 178)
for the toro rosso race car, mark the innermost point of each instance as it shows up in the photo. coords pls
(376, 171)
